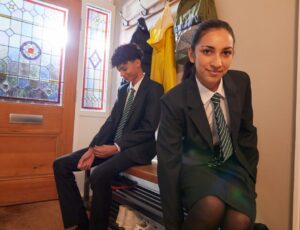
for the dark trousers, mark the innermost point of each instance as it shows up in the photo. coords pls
(71, 204)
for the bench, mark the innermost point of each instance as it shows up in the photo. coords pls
(145, 172)
(140, 198)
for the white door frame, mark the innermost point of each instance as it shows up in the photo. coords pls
(87, 123)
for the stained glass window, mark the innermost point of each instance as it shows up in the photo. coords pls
(32, 44)
(96, 58)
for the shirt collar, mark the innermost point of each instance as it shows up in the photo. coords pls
(206, 94)
(136, 86)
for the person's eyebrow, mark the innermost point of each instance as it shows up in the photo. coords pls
(211, 47)
(227, 48)
(207, 46)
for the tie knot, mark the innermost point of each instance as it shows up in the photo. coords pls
(131, 90)
(216, 98)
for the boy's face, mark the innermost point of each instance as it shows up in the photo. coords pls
(130, 71)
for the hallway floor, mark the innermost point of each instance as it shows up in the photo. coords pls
(34, 216)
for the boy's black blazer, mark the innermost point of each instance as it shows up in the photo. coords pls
(138, 139)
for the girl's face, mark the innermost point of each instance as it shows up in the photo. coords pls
(212, 57)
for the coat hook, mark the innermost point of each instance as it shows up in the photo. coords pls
(125, 21)
(144, 11)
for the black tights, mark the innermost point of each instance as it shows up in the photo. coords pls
(210, 213)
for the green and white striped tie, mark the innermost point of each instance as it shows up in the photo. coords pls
(226, 148)
(125, 114)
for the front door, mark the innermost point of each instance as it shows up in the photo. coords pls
(38, 69)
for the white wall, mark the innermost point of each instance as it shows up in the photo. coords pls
(266, 49)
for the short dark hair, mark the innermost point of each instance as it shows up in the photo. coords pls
(125, 53)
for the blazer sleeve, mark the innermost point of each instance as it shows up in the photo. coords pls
(169, 149)
(247, 138)
(148, 124)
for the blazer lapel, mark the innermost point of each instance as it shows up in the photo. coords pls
(122, 100)
(234, 105)
(197, 112)
(139, 96)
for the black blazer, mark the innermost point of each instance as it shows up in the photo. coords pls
(184, 130)
(138, 139)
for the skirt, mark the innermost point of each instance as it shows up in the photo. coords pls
(230, 182)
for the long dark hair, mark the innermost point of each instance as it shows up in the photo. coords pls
(202, 29)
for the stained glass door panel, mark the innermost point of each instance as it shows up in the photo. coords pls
(38, 71)
(97, 40)
(32, 44)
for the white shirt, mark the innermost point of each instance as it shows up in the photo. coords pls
(206, 95)
(136, 86)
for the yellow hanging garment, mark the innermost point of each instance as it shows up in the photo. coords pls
(163, 68)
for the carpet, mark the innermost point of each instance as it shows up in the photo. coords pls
(35, 216)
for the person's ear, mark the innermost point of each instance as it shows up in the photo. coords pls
(138, 62)
(191, 55)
